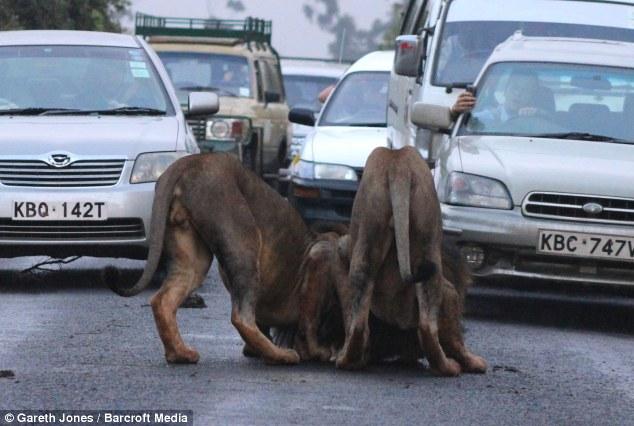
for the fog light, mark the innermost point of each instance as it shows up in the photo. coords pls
(473, 256)
(304, 192)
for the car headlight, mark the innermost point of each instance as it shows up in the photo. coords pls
(476, 191)
(150, 166)
(228, 129)
(309, 170)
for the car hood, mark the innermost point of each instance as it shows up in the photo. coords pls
(346, 145)
(119, 136)
(550, 165)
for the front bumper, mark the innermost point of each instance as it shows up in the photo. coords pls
(323, 200)
(509, 240)
(123, 234)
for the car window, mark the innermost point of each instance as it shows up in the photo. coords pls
(465, 45)
(302, 91)
(538, 99)
(79, 78)
(227, 75)
(271, 79)
(359, 100)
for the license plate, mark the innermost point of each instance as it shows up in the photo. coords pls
(586, 245)
(59, 210)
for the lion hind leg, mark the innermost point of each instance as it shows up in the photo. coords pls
(189, 262)
(356, 299)
(243, 319)
(429, 298)
(451, 338)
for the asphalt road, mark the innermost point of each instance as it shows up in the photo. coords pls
(73, 345)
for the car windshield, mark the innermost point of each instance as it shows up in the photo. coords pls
(302, 91)
(227, 75)
(587, 102)
(78, 79)
(466, 45)
(359, 100)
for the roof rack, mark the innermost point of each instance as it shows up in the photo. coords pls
(250, 29)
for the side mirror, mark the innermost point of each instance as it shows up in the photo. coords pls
(272, 97)
(407, 56)
(302, 116)
(433, 117)
(202, 103)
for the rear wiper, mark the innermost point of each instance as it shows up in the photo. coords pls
(583, 136)
(35, 111)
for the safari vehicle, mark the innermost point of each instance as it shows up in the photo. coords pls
(325, 176)
(304, 80)
(88, 122)
(234, 59)
(536, 181)
(443, 45)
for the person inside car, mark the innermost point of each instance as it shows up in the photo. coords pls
(521, 99)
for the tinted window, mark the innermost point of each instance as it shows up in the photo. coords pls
(78, 77)
(538, 99)
(302, 90)
(465, 46)
(359, 100)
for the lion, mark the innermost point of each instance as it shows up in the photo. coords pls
(395, 229)
(209, 205)
(330, 267)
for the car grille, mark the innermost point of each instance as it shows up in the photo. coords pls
(570, 207)
(35, 173)
(198, 128)
(119, 228)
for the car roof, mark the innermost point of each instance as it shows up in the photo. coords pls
(519, 48)
(380, 60)
(64, 37)
(316, 68)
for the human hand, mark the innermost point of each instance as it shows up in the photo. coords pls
(465, 103)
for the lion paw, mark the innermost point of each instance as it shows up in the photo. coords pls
(284, 357)
(450, 369)
(183, 356)
(475, 364)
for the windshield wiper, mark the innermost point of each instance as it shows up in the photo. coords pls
(365, 124)
(207, 89)
(583, 136)
(35, 111)
(126, 110)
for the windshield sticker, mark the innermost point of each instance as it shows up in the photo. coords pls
(137, 64)
(140, 73)
(244, 91)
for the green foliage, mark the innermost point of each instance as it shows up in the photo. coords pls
(95, 15)
(351, 42)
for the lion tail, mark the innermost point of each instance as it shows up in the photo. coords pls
(400, 185)
(160, 210)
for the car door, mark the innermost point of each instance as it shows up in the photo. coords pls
(272, 115)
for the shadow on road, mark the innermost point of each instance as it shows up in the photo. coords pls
(605, 310)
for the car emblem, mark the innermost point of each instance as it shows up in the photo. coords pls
(592, 208)
(59, 160)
